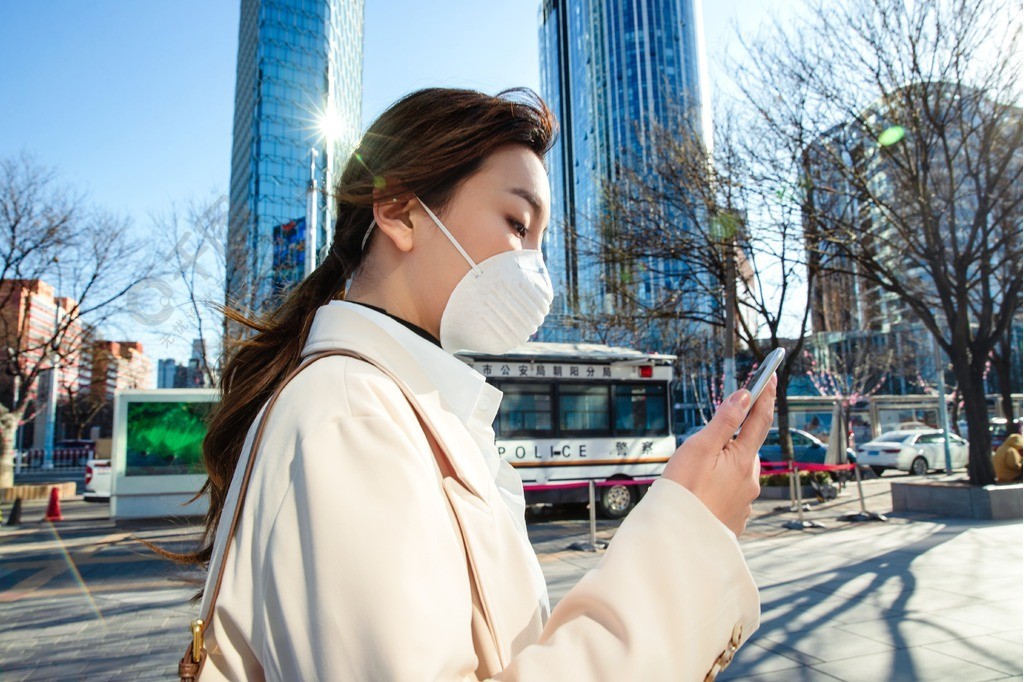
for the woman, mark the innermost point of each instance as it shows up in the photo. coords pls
(361, 554)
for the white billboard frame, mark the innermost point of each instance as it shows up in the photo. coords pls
(152, 495)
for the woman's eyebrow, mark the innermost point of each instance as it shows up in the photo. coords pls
(530, 197)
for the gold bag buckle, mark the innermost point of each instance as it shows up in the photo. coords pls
(197, 639)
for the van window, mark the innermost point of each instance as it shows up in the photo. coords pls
(641, 410)
(583, 410)
(525, 410)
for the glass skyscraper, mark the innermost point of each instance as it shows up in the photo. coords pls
(611, 70)
(298, 103)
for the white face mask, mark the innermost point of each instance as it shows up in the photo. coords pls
(499, 304)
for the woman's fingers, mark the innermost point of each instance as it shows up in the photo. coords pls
(755, 428)
(719, 431)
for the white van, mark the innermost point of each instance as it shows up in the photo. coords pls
(573, 413)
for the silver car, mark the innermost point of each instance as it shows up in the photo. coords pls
(917, 451)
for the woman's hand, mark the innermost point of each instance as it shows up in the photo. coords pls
(723, 471)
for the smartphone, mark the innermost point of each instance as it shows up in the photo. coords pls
(764, 374)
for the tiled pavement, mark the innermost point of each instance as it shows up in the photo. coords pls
(916, 598)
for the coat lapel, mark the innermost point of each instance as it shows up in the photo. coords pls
(336, 327)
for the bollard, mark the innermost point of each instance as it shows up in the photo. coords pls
(800, 523)
(593, 512)
(593, 545)
(14, 519)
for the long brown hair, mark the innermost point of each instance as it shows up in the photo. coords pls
(427, 143)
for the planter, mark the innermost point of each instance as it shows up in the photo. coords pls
(960, 500)
(781, 492)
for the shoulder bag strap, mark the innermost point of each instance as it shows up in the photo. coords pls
(191, 664)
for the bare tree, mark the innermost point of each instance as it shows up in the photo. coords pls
(89, 258)
(195, 241)
(248, 272)
(685, 228)
(850, 367)
(914, 184)
(85, 391)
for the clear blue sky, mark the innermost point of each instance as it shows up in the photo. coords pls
(132, 100)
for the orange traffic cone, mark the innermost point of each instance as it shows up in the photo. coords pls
(53, 508)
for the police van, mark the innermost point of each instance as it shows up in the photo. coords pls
(574, 413)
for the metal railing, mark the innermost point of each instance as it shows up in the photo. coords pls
(64, 459)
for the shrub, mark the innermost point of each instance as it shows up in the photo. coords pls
(781, 480)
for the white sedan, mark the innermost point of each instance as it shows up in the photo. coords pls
(917, 451)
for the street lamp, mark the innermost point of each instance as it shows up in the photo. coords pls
(14, 371)
(51, 407)
(940, 371)
(311, 216)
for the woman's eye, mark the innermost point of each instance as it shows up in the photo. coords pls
(519, 227)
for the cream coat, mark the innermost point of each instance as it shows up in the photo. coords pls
(349, 564)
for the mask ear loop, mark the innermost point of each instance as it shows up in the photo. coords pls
(437, 221)
(373, 223)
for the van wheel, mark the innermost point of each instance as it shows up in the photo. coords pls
(615, 501)
(919, 467)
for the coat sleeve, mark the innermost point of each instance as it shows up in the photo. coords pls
(666, 600)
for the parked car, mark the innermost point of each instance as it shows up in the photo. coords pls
(913, 426)
(917, 451)
(998, 427)
(97, 480)
(806, 448)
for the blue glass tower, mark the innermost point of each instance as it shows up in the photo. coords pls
(612, 71)
(298, 103)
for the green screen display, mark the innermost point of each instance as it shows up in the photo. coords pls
(166, 438)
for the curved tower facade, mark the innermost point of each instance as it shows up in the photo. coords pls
(611, 70)
(298, 103)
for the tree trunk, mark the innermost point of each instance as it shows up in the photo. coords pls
(8, 431)
(782, 407)
(972, 387)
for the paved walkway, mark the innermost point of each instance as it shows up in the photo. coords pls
(916, 598)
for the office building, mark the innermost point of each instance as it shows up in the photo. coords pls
(612, 71)
(298, 107)
(192, 374)
(857, 187)
(166, 373)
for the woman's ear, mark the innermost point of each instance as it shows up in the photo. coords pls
(392, 216)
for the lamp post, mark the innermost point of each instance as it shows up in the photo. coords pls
(15, 394)
(311, 216)
(940, 370)
(51, 411)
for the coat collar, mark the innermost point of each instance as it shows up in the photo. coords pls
(452, 395)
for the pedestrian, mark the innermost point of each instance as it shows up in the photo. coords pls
(381, 537)
(1007, 458)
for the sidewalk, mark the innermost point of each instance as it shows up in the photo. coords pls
(916, 598)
